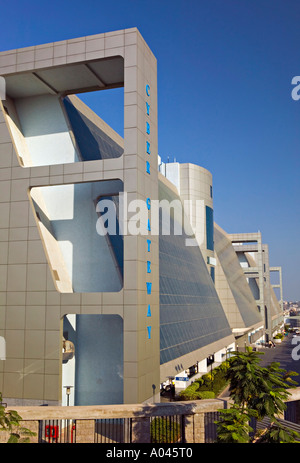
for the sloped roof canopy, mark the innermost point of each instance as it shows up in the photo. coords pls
(67, 79)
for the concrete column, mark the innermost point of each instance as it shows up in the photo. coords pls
(267, 292)
(141, 430)
(189, 429)
(85, 431)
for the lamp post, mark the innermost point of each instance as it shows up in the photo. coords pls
(68, 392)
(211, 376)
(153, 390)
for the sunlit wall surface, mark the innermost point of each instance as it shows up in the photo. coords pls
(235, 293)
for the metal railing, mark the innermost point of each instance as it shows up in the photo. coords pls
(210, 428)
(113, 430)
(174, 422)
(163, 429)
(57, 432)
(167, 429)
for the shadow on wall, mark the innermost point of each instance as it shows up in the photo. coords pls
(98, 342)
(67, 218)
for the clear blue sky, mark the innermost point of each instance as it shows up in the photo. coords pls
(224, 97)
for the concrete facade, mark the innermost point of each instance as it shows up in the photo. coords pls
(194, 184)
(32, 308)
(244, 286)
(106, 317)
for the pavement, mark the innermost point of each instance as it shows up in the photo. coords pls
(286, 353)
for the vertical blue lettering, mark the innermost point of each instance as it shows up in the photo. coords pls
(148, 167)
(149, 287)
(148, 147)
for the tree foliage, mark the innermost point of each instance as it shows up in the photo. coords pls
(263, 389)
(256, 391)
(10, 422)
(276, 433)
(233, 427)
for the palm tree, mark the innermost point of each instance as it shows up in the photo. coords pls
(244, 375)
(233, 427)
(277, 433)
(258, 388)
(255, 391)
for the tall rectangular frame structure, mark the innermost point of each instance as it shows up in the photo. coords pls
(31, 309)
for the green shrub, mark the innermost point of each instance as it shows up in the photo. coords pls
(223, 367)
(195, 394)
(206, 378)
(164, 431)
(194, 386)
(213, 383)
(199, 381)
(206, 395)
(188, 394)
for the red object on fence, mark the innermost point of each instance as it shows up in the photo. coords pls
(51, 431)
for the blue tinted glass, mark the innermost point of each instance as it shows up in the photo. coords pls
(93, 143)
(212, 273)
(209, 228)
(191, 315)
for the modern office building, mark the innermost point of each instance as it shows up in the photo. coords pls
(237, 263)
(111, 267)
(244, 286)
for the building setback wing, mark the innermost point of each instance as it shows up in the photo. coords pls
(239, 303)
(191, 315)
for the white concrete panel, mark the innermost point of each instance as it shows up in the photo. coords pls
(45, 130)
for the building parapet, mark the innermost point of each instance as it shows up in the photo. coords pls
(193, 417)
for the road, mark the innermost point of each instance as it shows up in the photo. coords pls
(286, 354)
(282, 354)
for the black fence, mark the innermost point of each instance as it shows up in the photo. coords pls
(114, 430)
(210, 428)
(57, 432)
(163, 429)
(167, 429)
